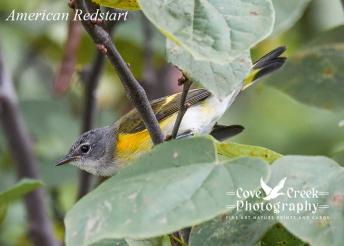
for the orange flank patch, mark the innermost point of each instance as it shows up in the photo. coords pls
(130, 145)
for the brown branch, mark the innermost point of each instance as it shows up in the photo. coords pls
(67, 67)
(20, 146)
(183, 106)
(133, 89)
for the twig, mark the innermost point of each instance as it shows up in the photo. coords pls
(89, 113)
(134, 90)
(183, 106)
(65, 72)
(20, 146)
(91, 83)
(176, 237)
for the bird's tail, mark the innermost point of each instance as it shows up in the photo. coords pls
(265, 65)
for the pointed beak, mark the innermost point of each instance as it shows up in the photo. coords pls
(66, 160)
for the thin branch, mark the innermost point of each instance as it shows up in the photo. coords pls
(20, 146)
(89, 113)
(176, 237)
(134, 90)
(67, 67)
(91, 84)
(91, 80)
(183, 106)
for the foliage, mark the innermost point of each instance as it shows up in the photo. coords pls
(183, 183)
(212, 30)
(163, 195)
(220, 79)
(287, 13)
(317, 69)
(15, 192)
(232, 228)
(233, 150)
(278, 235)
(303, 173)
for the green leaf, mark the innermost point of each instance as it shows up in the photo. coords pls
(113, 242)
(158, 241)
(236, 228)
(15, 192)
(317, 77)
(234, 150)
(325, 225)
(119, 4)
(287, 13)
(3, 211)
(219, 79)
(278, 235)
(19, 190)
(332, 36)
(212, 30)
(164, 191)
(175, 154)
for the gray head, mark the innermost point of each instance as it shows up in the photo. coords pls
(93, 152)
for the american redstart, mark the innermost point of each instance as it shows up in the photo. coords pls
(103, 150)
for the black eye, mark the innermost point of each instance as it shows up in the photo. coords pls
(85, 148)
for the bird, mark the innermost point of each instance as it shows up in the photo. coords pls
(102, 151)
(272, 193)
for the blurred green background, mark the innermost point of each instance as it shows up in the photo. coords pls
(33, 53)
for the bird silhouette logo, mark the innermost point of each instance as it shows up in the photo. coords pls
(272, 193)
